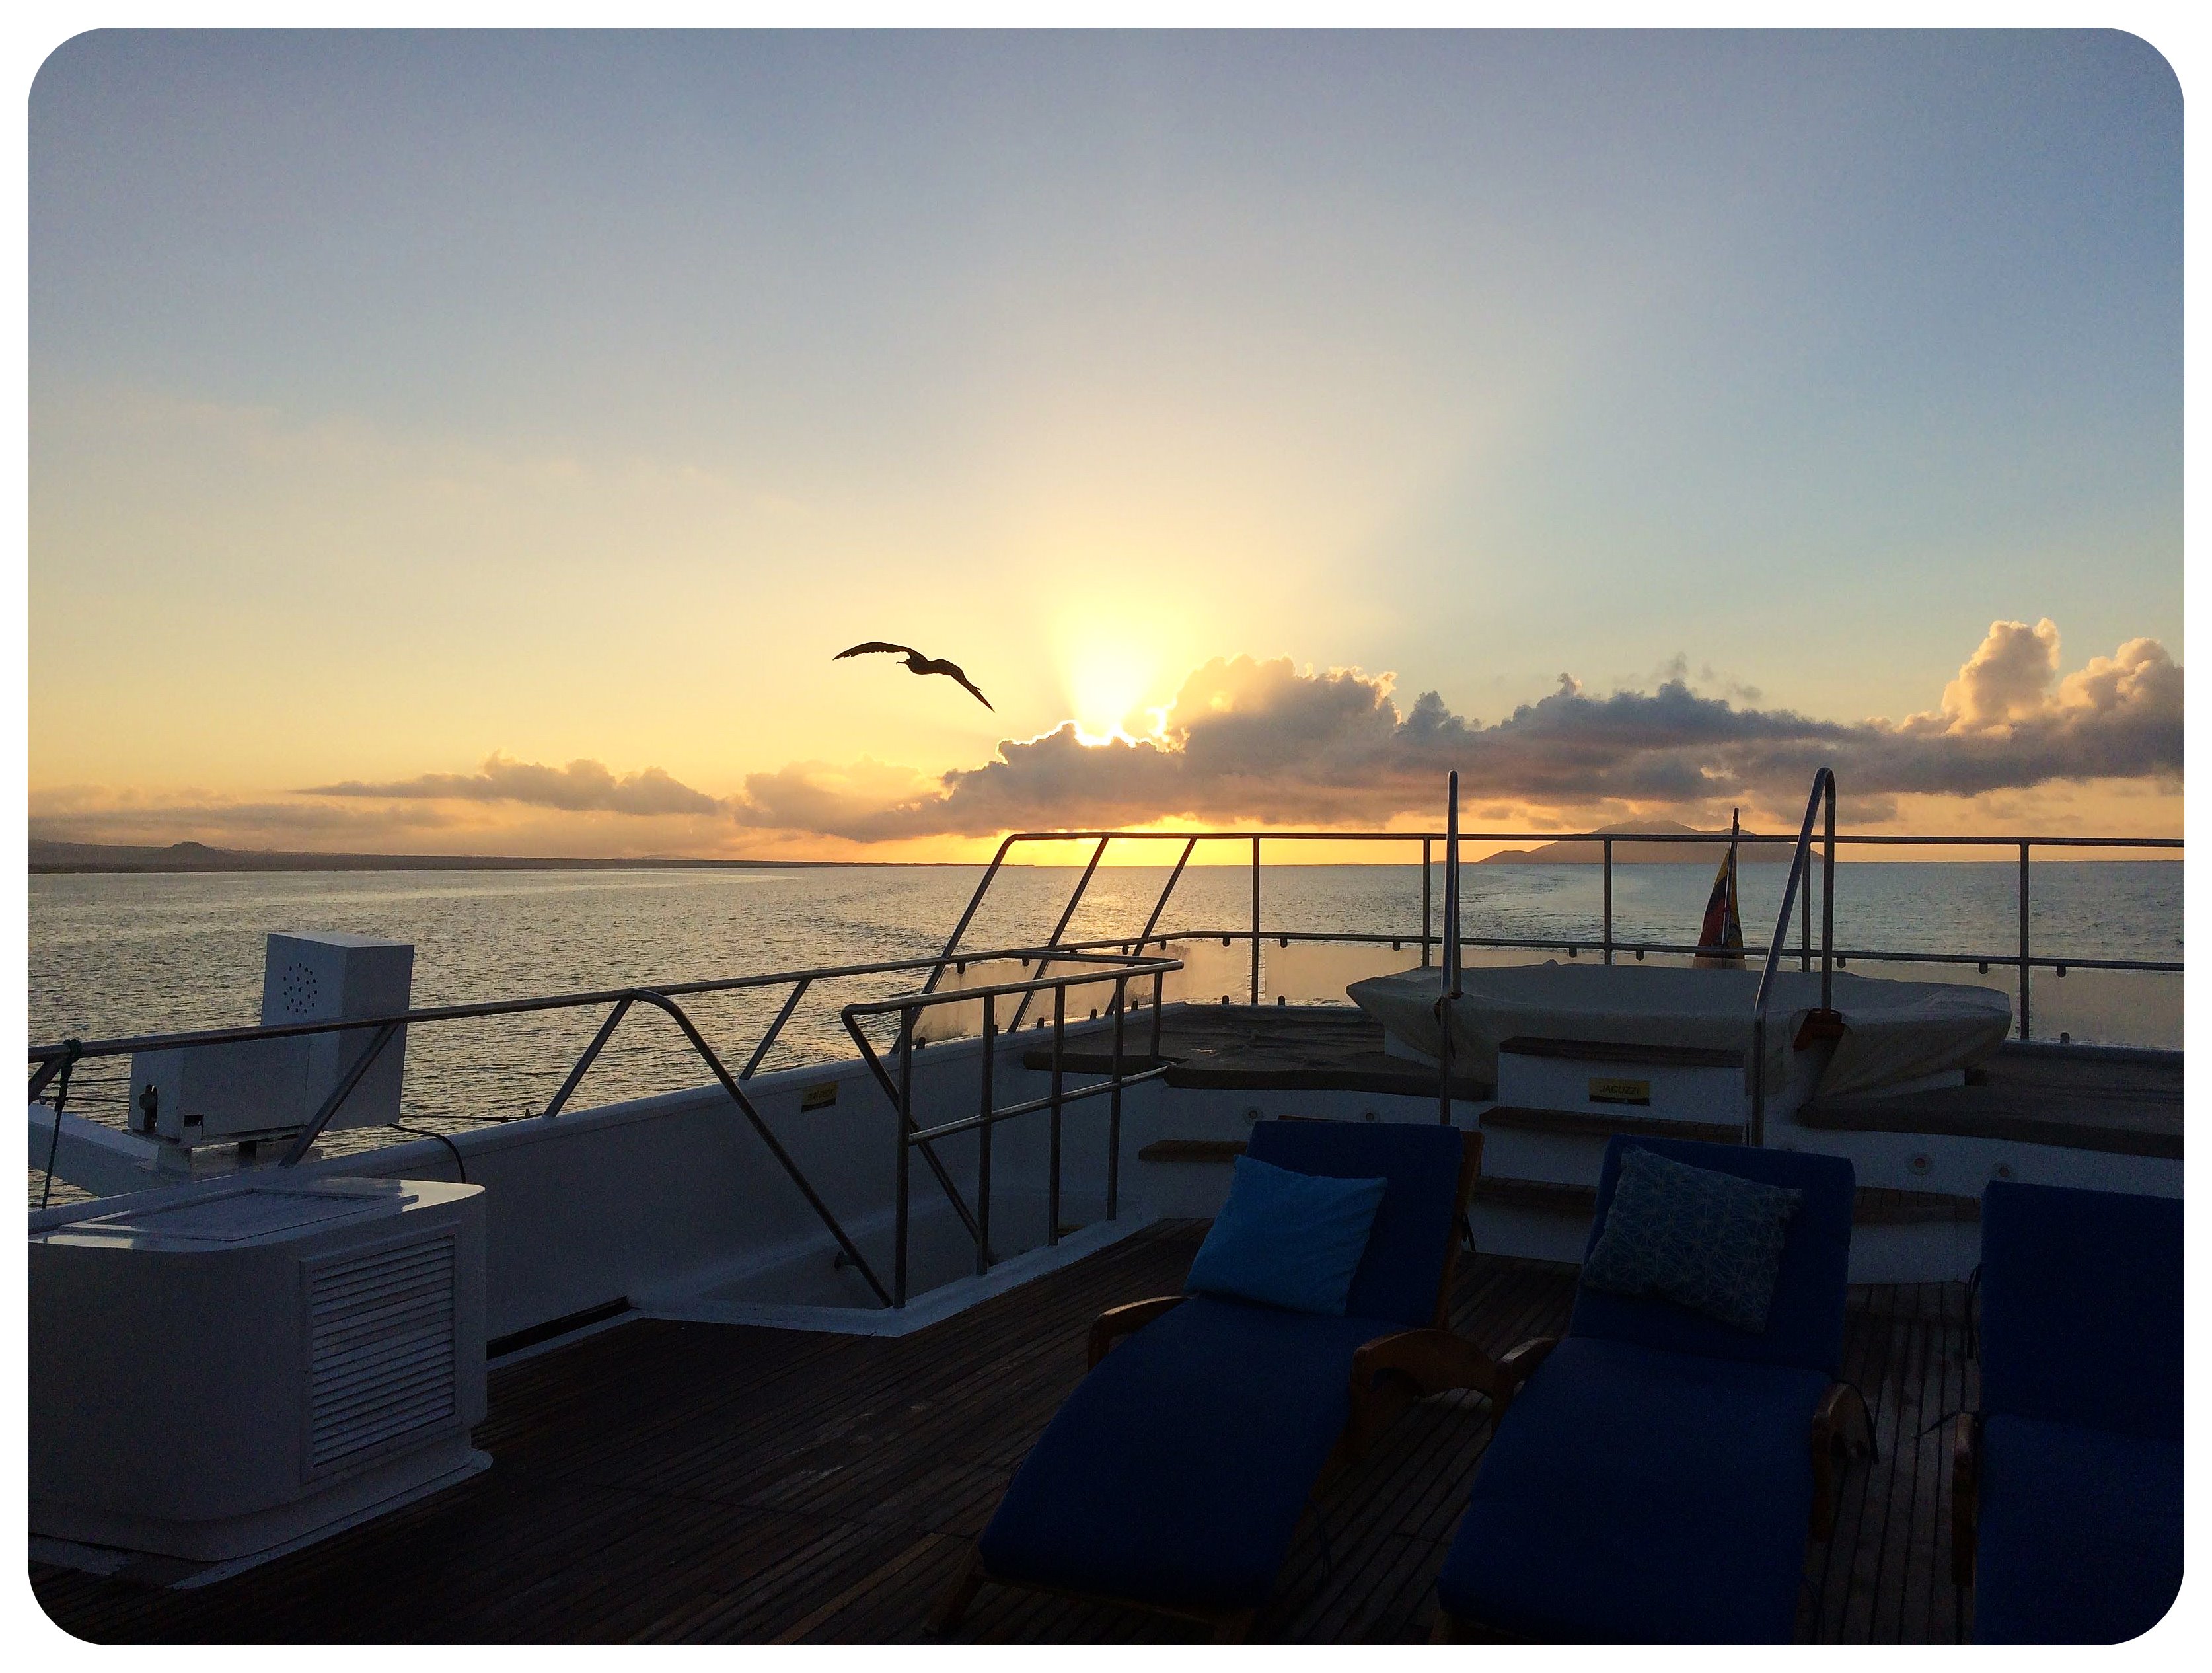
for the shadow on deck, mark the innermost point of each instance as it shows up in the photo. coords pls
(664, 1482)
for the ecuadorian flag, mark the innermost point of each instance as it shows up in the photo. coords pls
(1722, 929)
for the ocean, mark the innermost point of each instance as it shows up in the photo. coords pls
(121, 954)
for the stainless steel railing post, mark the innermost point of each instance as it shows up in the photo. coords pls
(351, 1079)
(1608, 900)
(1113, 1103)
(1800, 866)
(902, 1186)
(1059, 1056)
(1060, 929)
(2023, 941)
(1255, 920)
(983, 1139)
(1428, 922)
(559, 1100)
(776, 1029)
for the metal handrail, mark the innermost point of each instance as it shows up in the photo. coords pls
(1120, 972)
(49, 1060)
(1606, 944)
(1825, 1019)
(122, 1044)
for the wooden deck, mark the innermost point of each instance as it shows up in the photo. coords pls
(663, 1481)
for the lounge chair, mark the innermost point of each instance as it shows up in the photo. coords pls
(2066, 1487)
(1656, 1471)
(1176, 1476)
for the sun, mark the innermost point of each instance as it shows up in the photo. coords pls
(1108, 677)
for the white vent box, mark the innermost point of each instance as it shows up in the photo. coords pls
(311, 978)
(224, 1369)
(254, 1090)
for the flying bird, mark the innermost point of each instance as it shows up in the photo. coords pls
(916, 663)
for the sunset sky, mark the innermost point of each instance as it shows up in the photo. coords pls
(484, 443)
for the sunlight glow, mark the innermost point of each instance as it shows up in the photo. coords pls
(1108, 676)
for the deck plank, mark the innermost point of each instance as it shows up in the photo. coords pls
(674, 1482)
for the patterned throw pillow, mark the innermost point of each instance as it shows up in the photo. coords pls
(1709, 1240)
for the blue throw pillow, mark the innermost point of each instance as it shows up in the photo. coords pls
(1710, 1240)
(1287, 1239)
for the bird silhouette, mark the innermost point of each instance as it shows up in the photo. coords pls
(916, 663)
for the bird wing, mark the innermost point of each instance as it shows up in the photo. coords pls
(874, 645)
(953, 669)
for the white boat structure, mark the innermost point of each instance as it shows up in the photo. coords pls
(1017, 1114)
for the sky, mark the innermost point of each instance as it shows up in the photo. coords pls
(484, 443)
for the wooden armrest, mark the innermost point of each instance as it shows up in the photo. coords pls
(1841, 1431)
(1389, 1373)
(1115, 1322)
(1432, 1361)
(1519, 1364)
(1965, 1486)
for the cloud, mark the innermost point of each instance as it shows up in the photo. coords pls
(86, 814)
(1247, 739)
(581, 786)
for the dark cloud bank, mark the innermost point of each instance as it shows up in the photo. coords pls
(1248, 738)
(581, 786)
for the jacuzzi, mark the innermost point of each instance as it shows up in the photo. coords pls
(1896, 1034)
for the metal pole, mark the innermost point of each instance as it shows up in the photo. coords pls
(1255, 920)
(1060, 928)
(1427, 844)
(1804, 928)
(1059, 1051)
(750, 1111)
(1113, 1108)
(590, 1055)
(982, 888)
(1448, 975)
(1608, 900)
(2023, 941)
(351, 1079)
(983, 1139)
(902, 1187)
(1828, 903)
(1167, 889)
(775, 1028)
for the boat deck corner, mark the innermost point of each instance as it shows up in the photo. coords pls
(662, 1482)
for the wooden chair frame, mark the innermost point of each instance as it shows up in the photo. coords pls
(1388, 1374)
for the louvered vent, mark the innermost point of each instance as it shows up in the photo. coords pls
(380, 1350)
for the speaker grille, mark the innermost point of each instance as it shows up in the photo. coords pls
(380, 1357)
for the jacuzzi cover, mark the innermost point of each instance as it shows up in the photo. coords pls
(1894, 1031)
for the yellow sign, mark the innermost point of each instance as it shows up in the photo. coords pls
(820, 1096)
(1604, 1089)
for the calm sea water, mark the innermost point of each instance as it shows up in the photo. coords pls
(115, 955)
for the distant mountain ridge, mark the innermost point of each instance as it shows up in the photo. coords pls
(47, 856)
(1586, 852)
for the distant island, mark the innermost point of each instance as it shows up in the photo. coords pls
(53, 856)
(1586, 852)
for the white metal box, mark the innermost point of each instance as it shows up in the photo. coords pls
(221, 1369)
(253, 1089)
(308, 977)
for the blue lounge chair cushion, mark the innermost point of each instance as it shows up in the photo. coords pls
(1805, 1322)
(2073, 1279)
(1710, 1240)
(2080, 1535)
(1176, 1472)
(1286, 1239)
(1640, 1495)
(1399, 1275)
